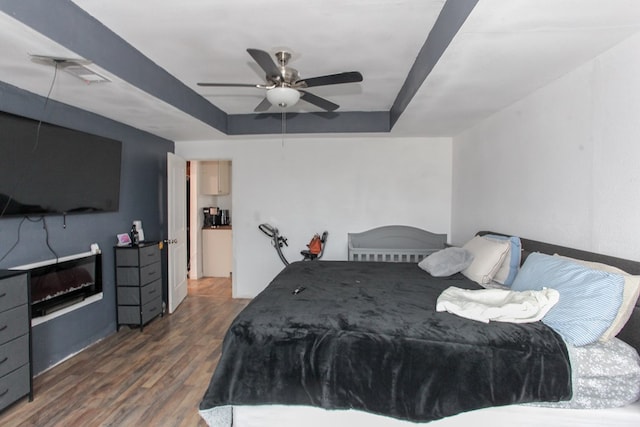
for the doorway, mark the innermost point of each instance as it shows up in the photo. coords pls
(210, 186)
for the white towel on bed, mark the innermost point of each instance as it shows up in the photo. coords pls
(498, 305)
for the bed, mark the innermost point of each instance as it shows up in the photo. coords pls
(360, 343)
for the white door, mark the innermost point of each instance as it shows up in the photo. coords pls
(177, 229)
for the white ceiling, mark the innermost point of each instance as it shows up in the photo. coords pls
(505, 50)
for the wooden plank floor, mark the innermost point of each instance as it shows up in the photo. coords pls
(131, 378)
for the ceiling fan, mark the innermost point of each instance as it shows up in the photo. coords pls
(284, 85)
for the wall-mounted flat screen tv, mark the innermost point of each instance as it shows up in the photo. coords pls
(49, 169)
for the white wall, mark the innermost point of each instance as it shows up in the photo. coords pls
(561, 165)
(305, 185)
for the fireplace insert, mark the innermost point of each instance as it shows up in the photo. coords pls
(59, 285)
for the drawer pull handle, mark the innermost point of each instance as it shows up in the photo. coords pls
(151, 273)
(4, 294)
(3, 327)
(4, 360)
(4, 392)
(153, 291)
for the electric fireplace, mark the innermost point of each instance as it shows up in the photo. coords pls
(61, 284)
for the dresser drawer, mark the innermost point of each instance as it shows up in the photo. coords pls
(150, 273)
(137, 256)
(130, 276)
(14, 354)
(13, 291)
(149, 255)
(14, 385)
(13, 323)
(129, 295)
(129, 315)
(136, 315)
(151, 309)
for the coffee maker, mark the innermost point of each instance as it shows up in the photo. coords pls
(210, 216)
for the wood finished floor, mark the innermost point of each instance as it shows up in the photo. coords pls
(151, 378)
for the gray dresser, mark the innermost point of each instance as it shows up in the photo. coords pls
(15, 338)
(138, 284)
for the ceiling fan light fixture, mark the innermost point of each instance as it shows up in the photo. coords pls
(283, 96)
(282, 83)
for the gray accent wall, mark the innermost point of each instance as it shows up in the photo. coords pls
(143, 189)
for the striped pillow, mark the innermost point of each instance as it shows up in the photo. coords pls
(589, 299)
(629, 295)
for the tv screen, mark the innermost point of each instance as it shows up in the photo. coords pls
(50, 169)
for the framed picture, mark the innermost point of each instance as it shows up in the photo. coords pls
(124, 239)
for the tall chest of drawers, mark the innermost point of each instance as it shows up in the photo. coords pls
(138, 284)
(15, 338)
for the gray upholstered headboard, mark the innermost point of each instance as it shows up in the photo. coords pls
(631, 332)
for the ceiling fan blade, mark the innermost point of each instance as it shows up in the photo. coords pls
(263, 106)
(332, 79)
(318, 102)
(265, 61)
(228, 85)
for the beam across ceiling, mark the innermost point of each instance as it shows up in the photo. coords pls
(453, 14)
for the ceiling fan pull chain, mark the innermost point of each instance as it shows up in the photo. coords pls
(284, 125)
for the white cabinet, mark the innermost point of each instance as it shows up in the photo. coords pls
(217, 252)
(214, 177)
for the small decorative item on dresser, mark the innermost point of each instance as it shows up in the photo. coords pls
(135, 237)
(138, 224)
(124, 239)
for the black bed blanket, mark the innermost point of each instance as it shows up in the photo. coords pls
(366, 336)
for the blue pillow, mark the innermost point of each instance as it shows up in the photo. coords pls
(507, 273)
(589, 299)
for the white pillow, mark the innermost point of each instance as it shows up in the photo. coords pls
(629, 294)
(509, 269)
(488, 256)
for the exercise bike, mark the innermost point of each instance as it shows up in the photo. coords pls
(278, 241)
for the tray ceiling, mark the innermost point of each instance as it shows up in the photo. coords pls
(430, 67)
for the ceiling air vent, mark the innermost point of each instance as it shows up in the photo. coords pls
(74, 66)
